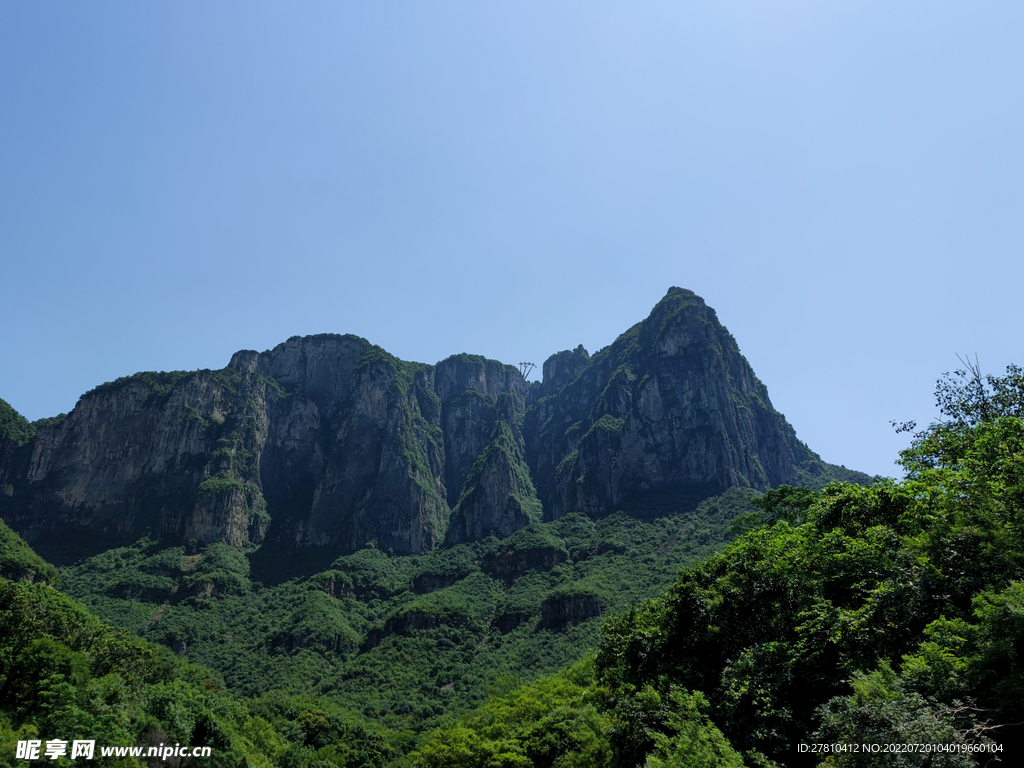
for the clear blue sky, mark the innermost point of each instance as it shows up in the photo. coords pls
(843, 182)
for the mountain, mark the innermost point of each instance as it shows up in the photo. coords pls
(671, 404)
(330, 442)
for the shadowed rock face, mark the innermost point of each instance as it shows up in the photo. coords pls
(329, 441)
(563, 611)
(670, 403)
(498, 497)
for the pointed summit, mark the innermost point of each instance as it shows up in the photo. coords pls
(671, 405)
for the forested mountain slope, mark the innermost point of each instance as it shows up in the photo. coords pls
(886, 620)
(333, 553)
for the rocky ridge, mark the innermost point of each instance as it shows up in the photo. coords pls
(329, 441)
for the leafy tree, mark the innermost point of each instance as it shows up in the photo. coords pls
(551, 723)
(65, 674)
(782, 504)
(14, 426)
(967, 398)
(883, 711)
(18, 561)
(692, 740)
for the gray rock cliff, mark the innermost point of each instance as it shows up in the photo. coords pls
(671, 403)
(329, 441)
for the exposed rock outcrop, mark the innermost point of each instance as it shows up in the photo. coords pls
(560, 611)
(672, 403)
(498, 497)
(506, 622)
(510, 563)
(328, 441)
(410, 620)
(425, 583)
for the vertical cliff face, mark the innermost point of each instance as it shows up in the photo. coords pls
(468, 387)
(383, 472)
(329, 441)
(498, 497)
(170, 454)
(483, 403)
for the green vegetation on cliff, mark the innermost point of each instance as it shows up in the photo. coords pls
(328, 441)
(160, 383)
(14, 426)
(19, 562)
(406, 641)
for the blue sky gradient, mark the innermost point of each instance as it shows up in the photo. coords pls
(843, 183)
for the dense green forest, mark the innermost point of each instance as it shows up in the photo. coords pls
(365, 652)
(850, 615)
(404, 640)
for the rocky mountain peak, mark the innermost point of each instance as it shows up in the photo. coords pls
(329, 441)
(245, 360)
(561, 368)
